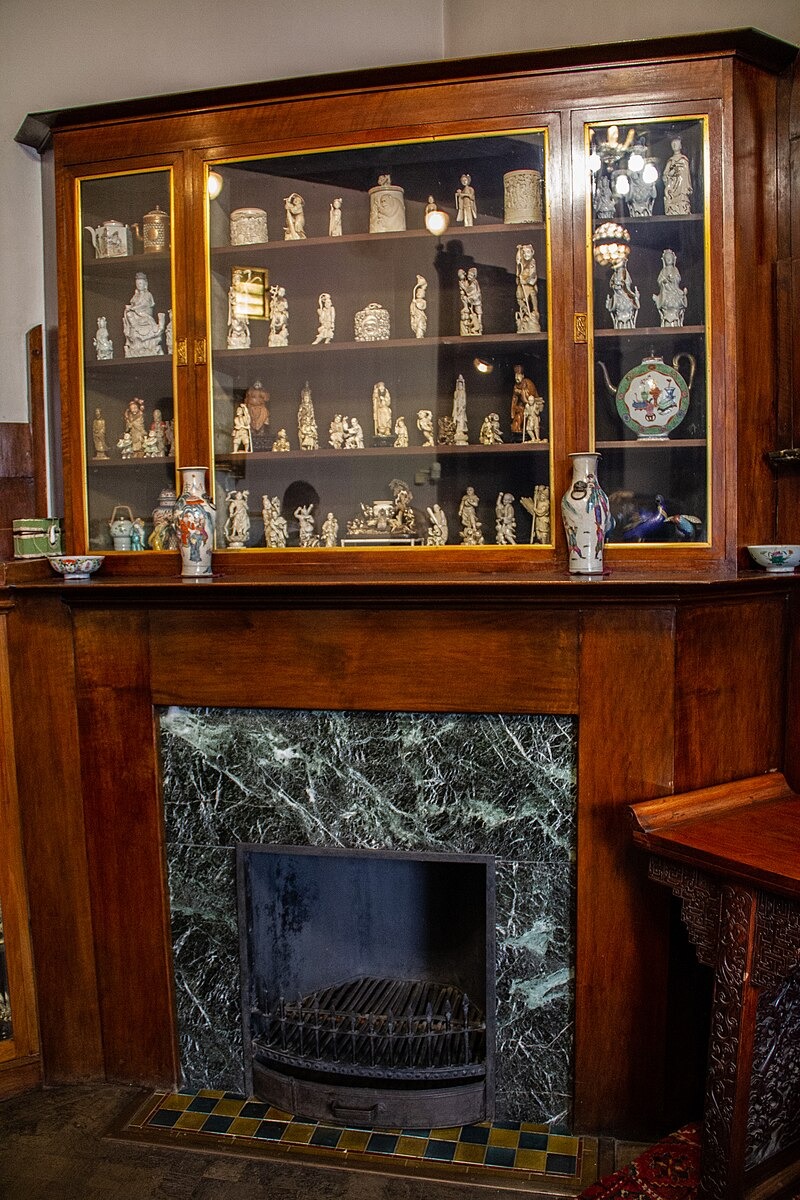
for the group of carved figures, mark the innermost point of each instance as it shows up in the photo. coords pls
(136, 440)
(146, 334)
(671, 300)
(394, 519)
(374, 323)
(642, 183)
(250, 428)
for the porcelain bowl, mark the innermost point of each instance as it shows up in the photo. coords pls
(778, 560)
(76, 566)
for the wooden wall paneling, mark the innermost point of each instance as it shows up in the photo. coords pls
(49, 784)
(625, 751)
(22, 1049)
(428, 659)
(791, 763)
(124, 836)
(730, 691)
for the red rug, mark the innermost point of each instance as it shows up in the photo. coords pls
(669, 1170)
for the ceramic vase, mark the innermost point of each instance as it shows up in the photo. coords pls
(194, 519)
(586, 515)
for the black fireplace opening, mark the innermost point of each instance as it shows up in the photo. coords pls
(367, 984)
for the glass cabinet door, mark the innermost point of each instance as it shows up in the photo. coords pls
(127, 318)
(380, 362)
(649, 291)
(5, 994)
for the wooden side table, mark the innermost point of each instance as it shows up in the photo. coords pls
(732, 855)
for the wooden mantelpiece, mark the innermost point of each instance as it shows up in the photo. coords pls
(677, 684)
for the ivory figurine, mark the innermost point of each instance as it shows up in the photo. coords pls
(471, 529)
(400, 432)
(104, 347)
(335, 218)
(330, 531)
(241, 435)
(437, 526)
(418, 307)
(425, 426)
(460, 430)
(527, 315)
(490, 434)
(466, 207)
(295, 228)
(505, 520)
(326, 315)
(307, 421)
(677, 182)
(279, 317)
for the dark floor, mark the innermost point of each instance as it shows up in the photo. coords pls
(52, 1147)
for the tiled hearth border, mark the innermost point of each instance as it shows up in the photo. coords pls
(519, 1156)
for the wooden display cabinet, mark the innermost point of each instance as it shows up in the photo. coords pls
(692, 499)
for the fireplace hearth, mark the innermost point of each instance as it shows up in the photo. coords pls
(389, 959)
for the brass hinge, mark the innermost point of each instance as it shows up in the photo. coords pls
(199, 352)
(579, 328)
(181, 352)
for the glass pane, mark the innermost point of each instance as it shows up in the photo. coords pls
(378, 379)
(5, 999)
(649, 301)
(127, 325)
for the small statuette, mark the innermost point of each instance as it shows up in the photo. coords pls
(336, 431)
(400, 432)
(133, 418)
(307, 526)
(137, 534)
(623, 299)
(238, 321)
(490, 434)
(425, 426)
(99, 435)
(330, 531)
(671, 299)
(393, 518)
(447, 431)
(437, 526)
(276, 530)
(335, 218)
(642, 196)
(527, 291)
(295, 228)
(532, 419)
(677, 182)
(382, 411)
(241, 435)
(471, 314)
(604, 202)
(387, 209)
(471, 530)
(522, 197)
(257, 401)
(248, 226)
(466, 207)
(143, 332)
(505, 520)
(418, 307)
(158, 434)
(169, 438)
(372, 324)
(326, 315)
(538, 505)
(165, 534)
(124, 446)
(278, 317)
(281, 443)
(307, 421)
(150, 444)
(525, 391)
(460, 430)
(353, 434)
(104, 347)
(237, 525)
(168, 332)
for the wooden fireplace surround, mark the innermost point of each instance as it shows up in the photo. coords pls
(677, 684)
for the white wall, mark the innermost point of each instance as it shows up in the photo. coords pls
(59, 55)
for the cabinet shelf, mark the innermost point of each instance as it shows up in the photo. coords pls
(659, 219)
(652, 331)
(378, 451)
(128, 464)
(487, 339)
(239, 252)
(651, 444)
(122, 264)
(148, 361)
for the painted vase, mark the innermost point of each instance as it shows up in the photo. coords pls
(194, 519)
(586, 515)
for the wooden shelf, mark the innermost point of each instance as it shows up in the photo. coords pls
(380, 451)
(650, 331)
(652, 443)
(129, 463)
(226, 252)
(455, 341)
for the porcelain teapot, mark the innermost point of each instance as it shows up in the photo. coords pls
(652, 399)
(111, 239)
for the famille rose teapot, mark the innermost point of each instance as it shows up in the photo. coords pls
(111, 239)
(652, 398)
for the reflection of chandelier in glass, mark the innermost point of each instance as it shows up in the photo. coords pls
(611, 244)
(608, 156)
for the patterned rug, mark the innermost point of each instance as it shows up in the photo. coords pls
(669, 1170)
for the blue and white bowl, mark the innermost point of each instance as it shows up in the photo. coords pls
(76, 566)
(778, 560)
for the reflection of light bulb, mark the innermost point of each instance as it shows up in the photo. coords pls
(595, 162)
(635, 162)
(622, 185)
(436, 221)
(650, 173)
(481, 364)
(214, 184)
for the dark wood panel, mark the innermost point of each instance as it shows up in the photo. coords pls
(625, 752)
(51, 808)
(438, 659)
(21, 1075)
(730, 691)
(124, 839)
